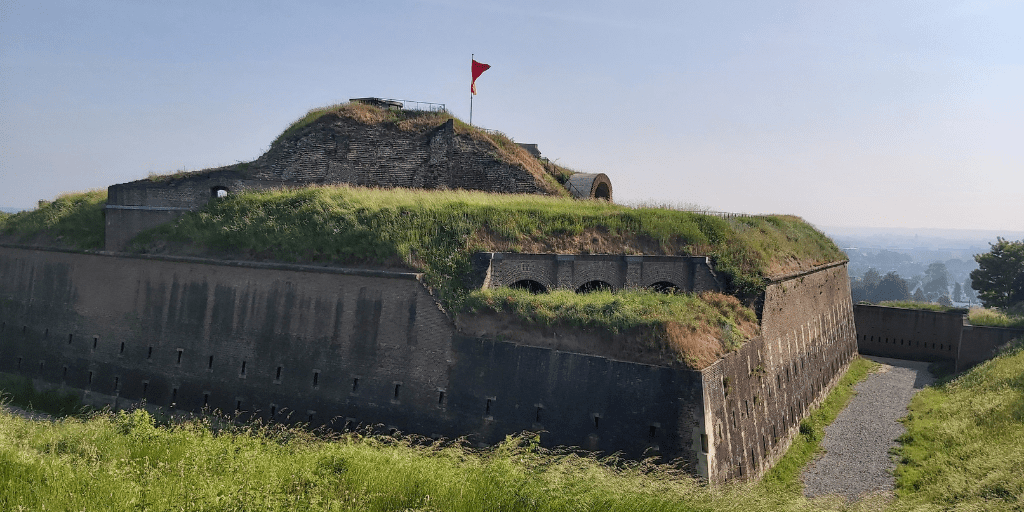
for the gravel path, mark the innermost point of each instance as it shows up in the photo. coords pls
(856, 460)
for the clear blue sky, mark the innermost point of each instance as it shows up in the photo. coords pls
(860, 113)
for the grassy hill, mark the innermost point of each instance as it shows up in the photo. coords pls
(964, 446)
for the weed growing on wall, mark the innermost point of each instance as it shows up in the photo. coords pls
(924, 306)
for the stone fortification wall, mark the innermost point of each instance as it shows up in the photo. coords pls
(908, 333)
(981, 343)
(927, 335)
(573, 271)
(317, 345)
(756, 397)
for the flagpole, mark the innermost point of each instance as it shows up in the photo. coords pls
(472, 57)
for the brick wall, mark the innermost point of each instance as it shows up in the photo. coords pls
(756, 397)
(571, 271)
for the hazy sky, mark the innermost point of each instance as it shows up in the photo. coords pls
(888, 113)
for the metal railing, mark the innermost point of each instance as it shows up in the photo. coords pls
(408, 104)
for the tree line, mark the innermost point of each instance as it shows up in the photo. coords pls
(997, 283)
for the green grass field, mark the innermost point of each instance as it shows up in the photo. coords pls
(964, 450)
(126, 461)
(964, 446)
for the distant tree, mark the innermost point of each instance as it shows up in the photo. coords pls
(958, 293)
(944, 300)
(871, 278)
(968, 292)
(936, 279)
(919, 296)
(891, 287)
(858, 292)
(914, 282)
(999, 278)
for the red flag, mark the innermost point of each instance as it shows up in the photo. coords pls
(478, 69)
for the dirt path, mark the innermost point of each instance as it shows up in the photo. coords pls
(857, 462)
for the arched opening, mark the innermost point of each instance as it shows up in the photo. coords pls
(603, 192)
(218, 192)
(664, 287)
(594, 286)
(529, 285)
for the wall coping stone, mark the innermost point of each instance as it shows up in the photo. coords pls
(801, 273)
(387, 274)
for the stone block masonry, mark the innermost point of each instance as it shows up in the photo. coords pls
(922, 335)
(545, 272)
(345, 347)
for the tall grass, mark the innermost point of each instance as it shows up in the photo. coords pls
(435, 232)
(125, 460)
(995, 318)
(964, 446)
(74, 220)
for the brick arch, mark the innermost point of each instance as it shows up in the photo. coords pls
(516, 273)
(605, 271)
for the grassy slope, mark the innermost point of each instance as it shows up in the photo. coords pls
(72, 220)
(964, 446)
(550, 175)
(436, 232)
(122, 461)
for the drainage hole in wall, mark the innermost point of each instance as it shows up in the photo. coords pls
(122, 348)
(355, 384)
(65, 375)
(41, 364)
(537, 417)
(653, 431)
(242, 372)
(316, 378)
(149, 353)
(209, 364)
(486, 411)
(397, 388)
(145, 387)
(95, 342)
(117, 380)
(277, 376)
(597, 421)
(90, 377)
(273, 411)
(440, 397)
